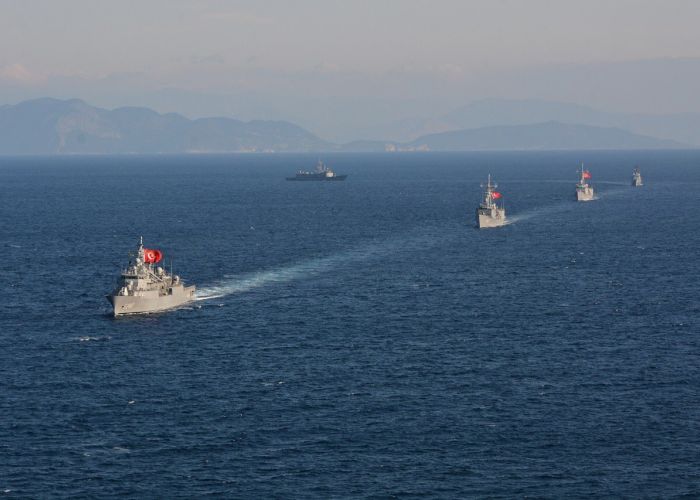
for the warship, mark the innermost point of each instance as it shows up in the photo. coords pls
(322, 173)
(584, 191)
(489, 214)
(146, 288)
(636, 178)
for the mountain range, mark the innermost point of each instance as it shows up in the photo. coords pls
(679, 127)
(551, 135)
(52, 126)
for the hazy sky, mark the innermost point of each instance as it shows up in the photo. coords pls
(275, 57)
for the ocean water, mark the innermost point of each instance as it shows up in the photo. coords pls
(353, 339)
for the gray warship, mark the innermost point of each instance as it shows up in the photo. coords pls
(584, 191)
(489, 214)
(322, 173)
(636, 178)
(146, 288)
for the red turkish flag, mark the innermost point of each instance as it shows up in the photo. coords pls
(152, 256)
(496, 195)
(586, 174)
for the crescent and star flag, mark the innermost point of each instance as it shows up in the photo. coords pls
(152, 256)
(586, 174)
(495, 195)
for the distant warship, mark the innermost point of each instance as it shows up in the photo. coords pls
(489, 214)
(584, 192)
(143, 288)
(322, 173)
(636, 178)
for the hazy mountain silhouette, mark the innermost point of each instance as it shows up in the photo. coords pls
(680, 127)
(51, 126)
(540, 136)
(48, 126)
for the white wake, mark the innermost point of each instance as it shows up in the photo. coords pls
(240, 283)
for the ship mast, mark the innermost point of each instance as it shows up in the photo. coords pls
(140, 257)
(488, 193)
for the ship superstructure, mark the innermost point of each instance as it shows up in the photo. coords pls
(321, 173)
(636, 178)
(489, 213)
(584, 191)
(144, 287)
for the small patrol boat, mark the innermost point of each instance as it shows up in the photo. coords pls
(636, 178)
(322, 173)
(489, 214)
(144, 287)
(584, 191)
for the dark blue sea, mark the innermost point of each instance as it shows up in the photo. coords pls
(354, 339)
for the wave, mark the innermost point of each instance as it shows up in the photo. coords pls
(418, 240)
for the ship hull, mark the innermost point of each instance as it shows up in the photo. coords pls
(129, 304)
(318, 178)
(585, 194)
(488, 218)
(637, 183)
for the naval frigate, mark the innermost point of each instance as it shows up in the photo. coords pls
(636, 178)
(146, 288)
(489, 214)
(584, 191)
(322, 173)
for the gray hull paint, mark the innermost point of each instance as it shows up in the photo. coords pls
(486, 218)
(584, 191)
(585, 194)
(314, 177)
(130, 304)
(322, 173)
(637, 178)
(144, 287)
(488, 213)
